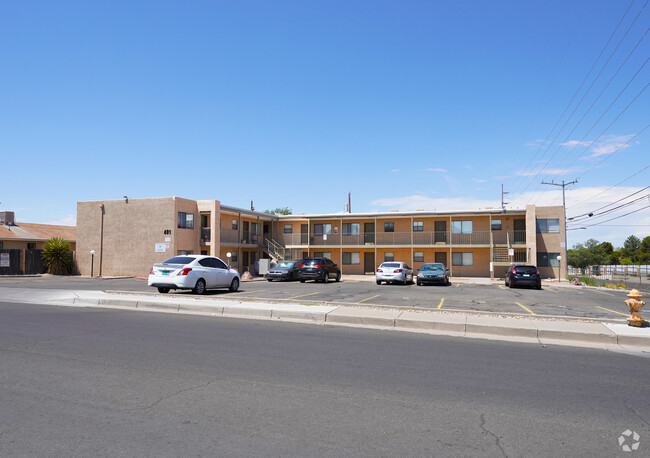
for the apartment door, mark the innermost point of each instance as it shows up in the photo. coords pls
(304, 234)
(369, 238)
(441, 256)
(244, 257)
(520, 231)
(440, 234)
(369, 262)
(245, 233)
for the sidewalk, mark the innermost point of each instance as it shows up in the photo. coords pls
(540, 330)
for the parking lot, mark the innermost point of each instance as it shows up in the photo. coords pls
(554, 300)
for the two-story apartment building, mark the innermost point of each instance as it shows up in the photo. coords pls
(128, 236)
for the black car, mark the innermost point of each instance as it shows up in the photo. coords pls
(283, 270)
(523, 274)
(432, 273)
(319, 269)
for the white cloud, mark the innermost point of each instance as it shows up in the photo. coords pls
(414, 202)
(529, 173)
(478, 181)
(437, 170)
(68, 220)
(395, 170)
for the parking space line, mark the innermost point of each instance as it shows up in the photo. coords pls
(457, 285)
(603, 292)
(551, 290)
(367, 299)
(525, 308)
(302, 295)
(501, 286)
(247, 292)
(613, 311)
(441, 302)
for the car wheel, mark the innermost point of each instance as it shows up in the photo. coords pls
(378, 282)
(538, 286)
(234, 286)
(338, 276)
(510, 285)
(302, 281)
(199, 288)
(163, 290)
(418, 283)
(268, 279)
(326, 277)
(506, 283)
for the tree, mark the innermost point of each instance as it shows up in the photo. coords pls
(279, 211)
(57, 257)
(632, 243)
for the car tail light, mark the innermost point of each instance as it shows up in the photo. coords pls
(151, 271)
(318, 266)
(302, 265)
(380, 271)
(185, 271)
(397, 271)
(514, 271)
(537, 271)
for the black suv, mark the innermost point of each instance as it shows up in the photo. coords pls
(523, 274)
(319, 269)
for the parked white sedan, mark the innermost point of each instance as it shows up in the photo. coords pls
(196, 272)
(394, 272)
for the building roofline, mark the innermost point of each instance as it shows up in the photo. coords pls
(404, 213)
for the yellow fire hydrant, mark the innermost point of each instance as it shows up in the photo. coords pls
(635, 303)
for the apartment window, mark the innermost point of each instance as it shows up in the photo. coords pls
(0, 245)
(389, 227)
(496, 224)
(418, 256)
(547, 259)
(255, 228)
(462, 259)
(233, 257)
(323, 254)
(235, 225)
(351, 258)
(322, 229)
(288, 229)
(418, 226)
(351, 228)
(185, 220)
(31, 246)
(389, 256)
(545, 226)
(461, 227)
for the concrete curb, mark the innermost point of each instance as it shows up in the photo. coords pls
(520, 328)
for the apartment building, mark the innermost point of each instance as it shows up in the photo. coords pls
(130, 235)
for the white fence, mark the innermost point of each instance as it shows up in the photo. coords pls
(632, 276)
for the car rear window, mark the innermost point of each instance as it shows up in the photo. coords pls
(311, 261)
(284, 264)
(179, 260)
(526, 269)
(391, 264)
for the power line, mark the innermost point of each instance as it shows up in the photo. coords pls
(582, 99)
(590, 216)
(605, 206)
(577, 90)
(618, 217)
(612, 187)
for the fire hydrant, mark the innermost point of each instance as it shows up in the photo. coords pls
(635, 303)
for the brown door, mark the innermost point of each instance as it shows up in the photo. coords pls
(304, 236)
(440, 234)
(520, 231)
(369, 262)
(441, 256)
(369, 236)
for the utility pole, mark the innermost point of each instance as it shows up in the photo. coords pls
(503, 204)
(564, 185)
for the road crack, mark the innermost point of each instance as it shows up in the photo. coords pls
(176, 393)
(496, 438)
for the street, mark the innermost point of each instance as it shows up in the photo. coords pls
(93, 382)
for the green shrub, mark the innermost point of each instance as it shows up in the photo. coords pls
(57, 257)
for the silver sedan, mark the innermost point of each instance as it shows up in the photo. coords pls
(394, 272)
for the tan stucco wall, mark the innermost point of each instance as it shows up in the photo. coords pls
(481, 267)
(130, 232)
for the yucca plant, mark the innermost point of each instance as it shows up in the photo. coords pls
(56, 256)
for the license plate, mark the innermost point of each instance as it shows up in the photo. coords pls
(165, 272)
(526, 275)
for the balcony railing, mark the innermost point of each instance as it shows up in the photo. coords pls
(387, 239)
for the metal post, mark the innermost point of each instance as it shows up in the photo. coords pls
(92, 262)
(564, 185)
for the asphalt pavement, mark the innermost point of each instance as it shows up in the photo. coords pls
(106, 383)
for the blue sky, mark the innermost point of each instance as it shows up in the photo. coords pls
(406, 105)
